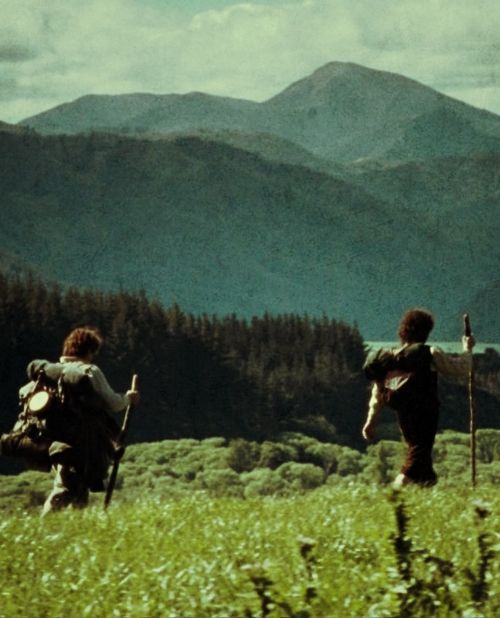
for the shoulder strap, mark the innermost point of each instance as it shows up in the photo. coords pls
(409, 358)
(378, 364)
(414, 357)
(70, 374)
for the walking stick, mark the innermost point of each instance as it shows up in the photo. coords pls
(472, 408)
(121, 450)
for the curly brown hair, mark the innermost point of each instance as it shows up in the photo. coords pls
(415, 326)
(82, 341)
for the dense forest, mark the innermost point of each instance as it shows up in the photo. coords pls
(203, 376)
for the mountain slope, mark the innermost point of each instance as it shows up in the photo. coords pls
(347, 111)
(459, 197)
(342, 112)
(5, 127)
(484, 309)
(266, 145)
(139, 113)
(221, 230)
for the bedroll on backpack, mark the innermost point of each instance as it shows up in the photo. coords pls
(399, 373)
(45, 418)
(399, 389)
(63, 421)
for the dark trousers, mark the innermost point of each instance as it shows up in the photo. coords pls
(419, 427)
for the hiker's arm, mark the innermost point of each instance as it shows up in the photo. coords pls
(454, 366)
(375, 406)
(113, 402)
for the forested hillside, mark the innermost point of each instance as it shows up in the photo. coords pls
(206, 376)
(354, 192)
(219, 229)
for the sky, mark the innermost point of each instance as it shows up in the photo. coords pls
(54, 51)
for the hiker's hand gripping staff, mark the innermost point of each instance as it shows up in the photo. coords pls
(133, 397)
(472, 402)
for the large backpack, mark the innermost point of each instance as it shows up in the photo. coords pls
(403, 374)
(48, 414)
(62, 421)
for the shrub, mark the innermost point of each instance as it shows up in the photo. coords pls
(488, 445)
(299, 442)
(350, 462)
(301, 476)
(273, 454)
(489, 473)
(263, 482)
(242, 455)
(217, 442)
(323, 455)
(187, 471)
(452, 437)
(220, 482)
(168, 487)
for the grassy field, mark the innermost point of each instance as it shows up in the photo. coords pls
(352, 550)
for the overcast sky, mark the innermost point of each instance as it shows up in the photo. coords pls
(53, 51)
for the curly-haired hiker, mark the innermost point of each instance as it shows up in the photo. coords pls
(66, 421)
(406, 379)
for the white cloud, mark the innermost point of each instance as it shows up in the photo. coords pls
(55, 51)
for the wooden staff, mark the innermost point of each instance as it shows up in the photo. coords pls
(121, 450)
(472, 408)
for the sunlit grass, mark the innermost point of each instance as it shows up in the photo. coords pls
(200, 556)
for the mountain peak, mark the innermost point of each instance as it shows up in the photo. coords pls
(343, 111)
(341, 68)
(338, 78)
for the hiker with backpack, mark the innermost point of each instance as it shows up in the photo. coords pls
(406, 380)
(66, 423)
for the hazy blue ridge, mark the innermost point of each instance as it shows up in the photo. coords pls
(353, 192)
(342, 111)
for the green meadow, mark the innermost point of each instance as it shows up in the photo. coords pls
(191, 533)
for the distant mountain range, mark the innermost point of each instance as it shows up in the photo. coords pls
(343, 112)
(353, 192)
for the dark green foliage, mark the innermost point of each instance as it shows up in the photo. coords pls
(350, 463)
(269, 598)
(220, 482)
(385, 460)
(418, 596)
(451, 457)
(271, 601)
(301, 476)
(426, 589)
(264, 482)
(478, 582)
(307, 553)
(273, 454)
(292, 239)
(24, 491)
(243, 456)
(263, 588)
(203, 376)
(178, 467)
(199, 376)
(326, 456)
(487, 445)
(401, 541)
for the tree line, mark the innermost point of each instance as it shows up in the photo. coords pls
(203, 376)
(199, 375)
